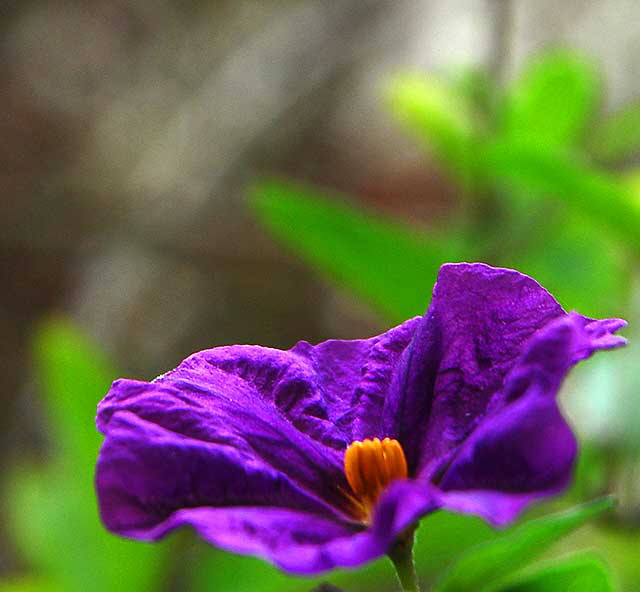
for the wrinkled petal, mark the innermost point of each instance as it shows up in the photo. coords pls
(290, 413)
(553, 351)
(469, 339)
(295, 541)
(598, 334)
(205, 404)
(301, 542)
(522, 454)
(497, 508)
(524, 449)
(355, 376)
(145, 473)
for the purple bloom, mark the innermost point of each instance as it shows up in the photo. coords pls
(247, 444)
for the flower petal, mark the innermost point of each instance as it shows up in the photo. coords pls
(295, 541)
(151, 479)
(524, 449)
(355, 376)
(206, 404)
(524, 453)
(298, 541)
(145, 473)
(288, 412)
(469, 339)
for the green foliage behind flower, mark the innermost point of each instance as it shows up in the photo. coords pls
(52, 509)
(527, 155)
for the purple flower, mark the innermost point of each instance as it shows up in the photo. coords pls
(247, 444)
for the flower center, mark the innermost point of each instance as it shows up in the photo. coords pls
(370, 465)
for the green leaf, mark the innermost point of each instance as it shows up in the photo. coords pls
(443, 536)
(74, 375)
(483, 566)
(618, 136)
(52, 510)
(224, 572)
(552, 173)
(552, 101)
(631, 179)
(387, 264)
(567, 254)
(581, 572)
(621, 549)
(440, 118)
(28, 584)
(476, 86)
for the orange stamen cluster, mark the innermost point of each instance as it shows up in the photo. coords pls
(370, 465)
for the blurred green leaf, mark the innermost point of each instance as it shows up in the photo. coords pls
(52, 510)
(554, 174)
(552, 101)
(476, 86)
(621, 549)
(224, 572)
(74, 375)
(631, 180)
(443, 537)
(584, 572)
(482, 567)
(618, 136)
(28, 584)
(440, 117)
(387, 264)
(567, 254)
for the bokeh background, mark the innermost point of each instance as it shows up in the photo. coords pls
(180, 175)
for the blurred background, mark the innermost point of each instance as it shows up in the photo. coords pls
(180, 175)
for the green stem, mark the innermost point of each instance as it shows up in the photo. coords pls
(401, 555)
